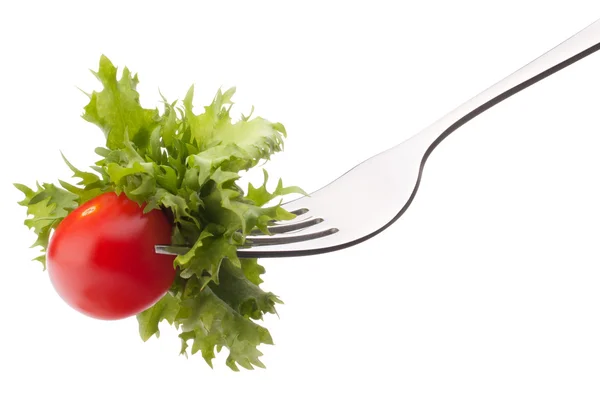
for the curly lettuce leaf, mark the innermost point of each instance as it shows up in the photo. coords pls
(165, 309)
(47, 206)
(211, 323)
(261, 196)
(117, 109)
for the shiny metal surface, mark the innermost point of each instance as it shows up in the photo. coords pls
(380, 189)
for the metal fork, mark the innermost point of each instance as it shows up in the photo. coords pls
(325, 222)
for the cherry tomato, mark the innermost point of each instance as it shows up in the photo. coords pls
(101, 258)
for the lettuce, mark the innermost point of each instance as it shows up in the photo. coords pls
(187, 165)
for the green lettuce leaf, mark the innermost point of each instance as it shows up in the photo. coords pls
(116, 109)
(211, 323)
(47, 206)
(165, 309)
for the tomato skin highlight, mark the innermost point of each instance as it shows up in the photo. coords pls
(101, 258)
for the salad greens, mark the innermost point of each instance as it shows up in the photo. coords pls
(187, 165)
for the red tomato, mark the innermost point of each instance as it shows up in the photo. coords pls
(101, 258)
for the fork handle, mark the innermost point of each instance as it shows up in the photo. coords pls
(577, 47)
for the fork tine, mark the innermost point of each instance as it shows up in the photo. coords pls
(257, 241)
(299, 211)
(290, 226)
(300, 216)
(285, 238)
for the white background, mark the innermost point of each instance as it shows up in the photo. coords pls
(487, 288)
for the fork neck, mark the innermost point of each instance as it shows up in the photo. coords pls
(577, 47)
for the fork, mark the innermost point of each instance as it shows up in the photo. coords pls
(324, 221)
